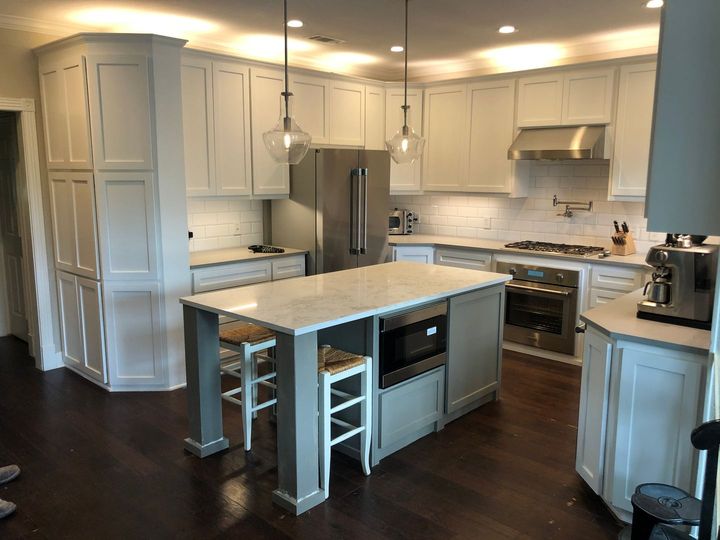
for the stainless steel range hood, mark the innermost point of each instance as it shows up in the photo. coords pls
(577, 142)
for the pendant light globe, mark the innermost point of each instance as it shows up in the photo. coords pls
(287, 143)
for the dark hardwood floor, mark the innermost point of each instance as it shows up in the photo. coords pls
(101, 465)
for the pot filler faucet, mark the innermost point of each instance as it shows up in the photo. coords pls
(572, 205)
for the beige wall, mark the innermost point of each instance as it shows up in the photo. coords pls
(19, 79)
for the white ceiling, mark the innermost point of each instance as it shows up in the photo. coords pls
(448, 38)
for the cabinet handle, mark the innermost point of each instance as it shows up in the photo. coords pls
(580, 328)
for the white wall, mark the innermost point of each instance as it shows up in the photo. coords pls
(534, 217)
(223, 222)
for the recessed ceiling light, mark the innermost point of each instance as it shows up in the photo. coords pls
(397, 48)
(508, 29)
(295, 23)
(654, 4)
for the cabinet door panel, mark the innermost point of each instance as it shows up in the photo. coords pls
(119, 93)
(52, 91)
(445, 130)
(269, 177)
(592, 417)
(69, 311)
(198, 134)
(491, 108)
(134, 327)
(587, 97)
(474, 348)
(540, 101)
(347, 119)
(233, 167)
(126, 217)
(78, 118)
(91, 318)
(633, 128)
(374, 118)
(61, 206)
(311, 106)
(405, 177)
(658, 407)
(287, 267)
(425, 255)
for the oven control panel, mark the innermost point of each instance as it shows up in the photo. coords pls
(540, 274)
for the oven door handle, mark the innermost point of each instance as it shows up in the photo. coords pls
(538, 289)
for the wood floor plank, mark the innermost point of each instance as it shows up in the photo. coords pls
(101, 465)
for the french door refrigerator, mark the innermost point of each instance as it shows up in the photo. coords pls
(337, 210)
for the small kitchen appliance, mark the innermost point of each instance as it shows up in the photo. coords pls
(401, 221)
(682, 288)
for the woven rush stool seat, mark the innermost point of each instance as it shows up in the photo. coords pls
(246, 333)
(254, 344)
(334, 366)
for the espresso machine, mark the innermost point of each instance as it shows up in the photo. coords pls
(682, 289)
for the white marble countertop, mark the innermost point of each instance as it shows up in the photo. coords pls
(213, 257)
(618, 320)
(636, 260)
(306, 304)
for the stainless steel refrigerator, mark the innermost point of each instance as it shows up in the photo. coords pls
(337, 210)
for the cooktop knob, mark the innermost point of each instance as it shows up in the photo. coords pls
(559, 276)
(512, 271)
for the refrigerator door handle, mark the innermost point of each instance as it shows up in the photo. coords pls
(355, 211)
(364, 207)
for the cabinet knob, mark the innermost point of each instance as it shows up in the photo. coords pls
(580, 328)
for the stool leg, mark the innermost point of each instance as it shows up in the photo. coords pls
(642, 525)
(366, 416)
(324, 406)
(254, 386)
(247, 396)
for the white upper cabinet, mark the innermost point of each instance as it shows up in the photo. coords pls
(119, 93)
(72, 205)
(445, 128)
(406, 177)
(572, 98)
(311, 105)
(231, 100)
(540, 100)
(269, 177)
(126, 225)
(63, 89)
(587, 97)
(347, 113)
(198, 129)
(491, 109)
(633, 127)
(374, 118)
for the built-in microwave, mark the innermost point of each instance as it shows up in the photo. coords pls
(412, 343)
(401, 221)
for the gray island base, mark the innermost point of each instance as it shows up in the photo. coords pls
(343, 309)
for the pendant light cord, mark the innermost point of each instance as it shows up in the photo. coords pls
(287, 84)
(405, 106)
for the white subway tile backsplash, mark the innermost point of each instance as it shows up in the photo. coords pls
(534, 217)
(221, 222)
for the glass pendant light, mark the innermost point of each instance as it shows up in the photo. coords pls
(405, 146)
(287, 142)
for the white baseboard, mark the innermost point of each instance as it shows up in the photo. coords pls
(549, 355)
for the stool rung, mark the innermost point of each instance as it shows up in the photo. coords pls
(231, 372)
(347, 435)
(232, 392)
(264, 405)
(264, 358)
(340, 393)
(263, 378)
(232, 400)
(268, 385)
(345, 404)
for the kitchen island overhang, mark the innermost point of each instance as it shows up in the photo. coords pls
(297, 310)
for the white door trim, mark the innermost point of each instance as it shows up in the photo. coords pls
(46, 354)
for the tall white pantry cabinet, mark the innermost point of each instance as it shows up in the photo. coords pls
(112, 110)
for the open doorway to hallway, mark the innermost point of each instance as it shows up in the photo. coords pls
(13, 265)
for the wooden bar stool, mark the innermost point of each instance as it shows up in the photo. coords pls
(249, 340)
(335, 365)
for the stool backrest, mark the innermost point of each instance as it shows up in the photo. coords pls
(707, 437)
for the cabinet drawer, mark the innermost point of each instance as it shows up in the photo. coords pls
(601, 296)
(615, 278)
(421, 254)
(231, 275)
(474, 260)
(287, 267)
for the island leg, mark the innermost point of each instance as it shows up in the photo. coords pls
(202, 365)
(297, 423)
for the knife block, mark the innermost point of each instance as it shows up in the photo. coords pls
(622, 244)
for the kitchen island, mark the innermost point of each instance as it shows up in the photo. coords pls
(342, 309)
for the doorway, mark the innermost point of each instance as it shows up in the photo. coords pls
(13, 266)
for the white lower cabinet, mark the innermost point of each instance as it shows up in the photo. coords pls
(421, 254)
(461, 258)
(610, 282)
(133, 323)
(237, 274)
(287, 267)
(82, 328)
(638, 406)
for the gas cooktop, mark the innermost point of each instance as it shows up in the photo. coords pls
(549, 247)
